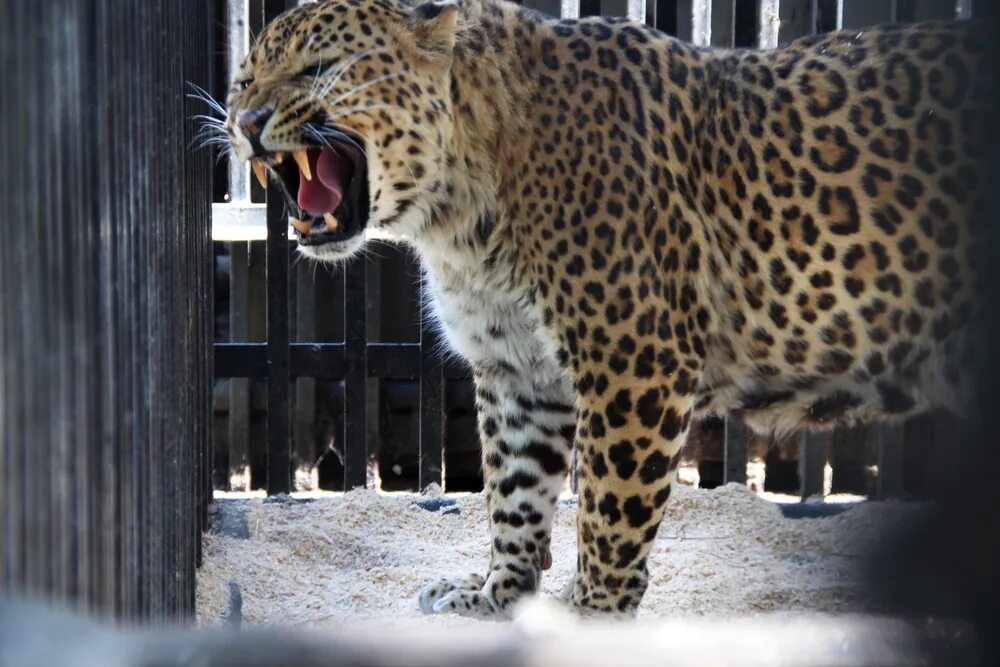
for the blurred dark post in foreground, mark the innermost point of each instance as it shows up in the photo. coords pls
(105, 303)
(947, 565)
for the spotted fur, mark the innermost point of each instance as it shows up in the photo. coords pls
(621, 232)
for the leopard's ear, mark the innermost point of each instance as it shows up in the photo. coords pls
(434, 24)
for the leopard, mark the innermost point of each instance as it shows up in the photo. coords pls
(621, 233)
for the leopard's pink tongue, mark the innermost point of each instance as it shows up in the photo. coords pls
(325, 191)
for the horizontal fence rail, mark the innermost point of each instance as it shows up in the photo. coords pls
(296, 367)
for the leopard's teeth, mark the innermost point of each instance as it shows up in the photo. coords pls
(301, 226)
(331, 222)
(277, 158)
(258, 171)
(302, 159)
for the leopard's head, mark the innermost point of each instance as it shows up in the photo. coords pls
(346, 104)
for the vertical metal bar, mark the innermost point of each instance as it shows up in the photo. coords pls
(149, 535)
(963, 9)
(28, 297)
(203, 242)
(97, 552)
(814, 446)
(239, 388)
(121, 388)
(770, 23)
(701, 22)
(305, 388)
(737, 437)
(636, 10)
(431, 408)
(840, 15)
(375, 303)
(278, 350)
(569, 9)
(238, 33)
(890, 460)
(355, 380)
(238, 29)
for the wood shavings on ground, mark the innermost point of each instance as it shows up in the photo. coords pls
(362, 556)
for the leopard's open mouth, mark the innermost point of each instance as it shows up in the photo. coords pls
(325, 187)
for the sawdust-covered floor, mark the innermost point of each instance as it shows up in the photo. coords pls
(362, 556)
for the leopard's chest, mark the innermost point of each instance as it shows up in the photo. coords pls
(488, 314)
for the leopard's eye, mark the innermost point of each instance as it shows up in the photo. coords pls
(316, 69)
(243, 84)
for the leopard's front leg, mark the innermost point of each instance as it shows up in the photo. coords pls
(527, 431)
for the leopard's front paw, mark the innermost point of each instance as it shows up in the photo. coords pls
(460, 596)
(492, 598)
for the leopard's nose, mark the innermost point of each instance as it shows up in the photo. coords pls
(252, 124)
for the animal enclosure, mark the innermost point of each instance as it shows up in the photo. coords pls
(321, 378)
(328, 378)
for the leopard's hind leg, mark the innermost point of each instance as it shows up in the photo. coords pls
(628, 443)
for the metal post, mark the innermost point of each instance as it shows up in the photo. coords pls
(278, 351)
(238, 25)
(812, 462)
(701, 22)
(303, 431)
(356, 377)
(238, 33)
(431, 408)
(734, 455)
(770, 22)
(569, 9)
(239, 388)
(376, 303)
(963, 9)
(637, 10)
(890, 460)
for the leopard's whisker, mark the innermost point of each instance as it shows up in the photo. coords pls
(204, 96)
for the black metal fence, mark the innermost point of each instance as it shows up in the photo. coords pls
(348, 383)
(106, 292)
